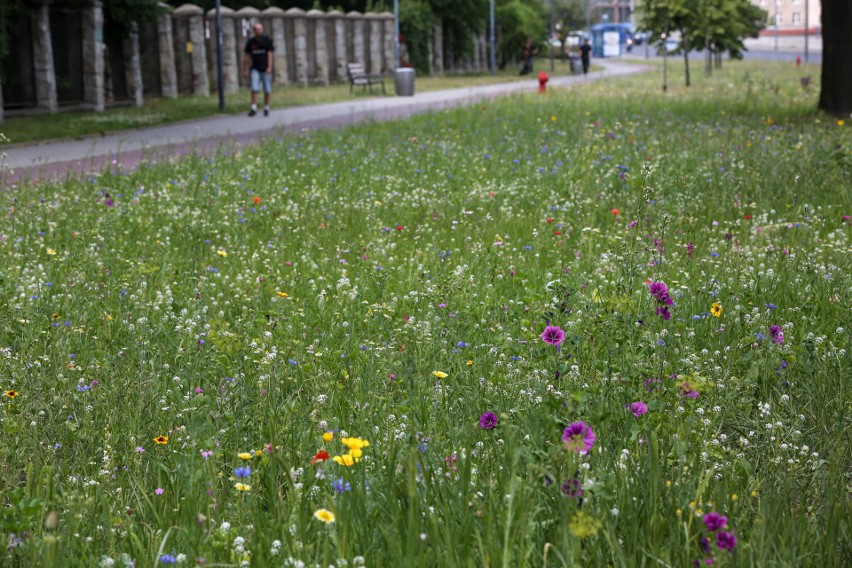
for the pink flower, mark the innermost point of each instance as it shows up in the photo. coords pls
(159, 491)
(638, 408)
(553, 335)
(578, 437)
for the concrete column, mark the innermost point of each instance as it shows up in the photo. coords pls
(477, 53)
(376, 33)
(195, 48)
(273, 23)
(166, 48)
(231, 82)
(388, 55)
(356, 21)
(438, 49)
(133, 65)
(300, 44)
(45, 75)
(338, 65)
(246, 18)
(93, 56)
(320, 46)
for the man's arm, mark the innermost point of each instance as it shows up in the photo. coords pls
(246, 64)
(269, 61)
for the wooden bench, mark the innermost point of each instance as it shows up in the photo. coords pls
(357, 76)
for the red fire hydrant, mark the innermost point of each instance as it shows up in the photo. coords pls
(798, 61)
(542, 81)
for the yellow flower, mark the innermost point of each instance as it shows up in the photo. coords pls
(734, 497)
(258, 452)
(51, 252)
(328, 436)
(356, 453)
(840, 122)
(243, 487)
(244, 456)
(439, 374)
(716, 310)
(345, 459)
(583, 525)
(12, 393)
(553, 117)
(161, 440)
(324, 515)
(678, 512)
(469, 363)
(282, 294)
(222, 253)
(355, 443)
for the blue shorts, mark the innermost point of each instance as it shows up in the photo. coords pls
(256, 79)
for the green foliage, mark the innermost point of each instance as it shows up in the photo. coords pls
(518, 22)
(417, 24)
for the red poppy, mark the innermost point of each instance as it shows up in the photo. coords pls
(615, 212)
(557, 233)
(321, 456)
(549, 220)
(747, 217)
(256, 199)
(399, 227)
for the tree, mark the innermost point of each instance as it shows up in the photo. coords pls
(661, 17)
(836, 91)
(570, 16)
(518, 21)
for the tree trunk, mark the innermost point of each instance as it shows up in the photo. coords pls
(686, 63)
(836, 92)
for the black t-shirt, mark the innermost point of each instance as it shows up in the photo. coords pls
(585, 49)
(258, 47)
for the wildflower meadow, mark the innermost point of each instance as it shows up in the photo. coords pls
(597, 327)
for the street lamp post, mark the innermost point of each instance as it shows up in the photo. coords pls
(396, 53)
(493, 41)
(550, 41)
(807, 31)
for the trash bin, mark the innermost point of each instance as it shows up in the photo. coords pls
(403, 80)
(576, 66)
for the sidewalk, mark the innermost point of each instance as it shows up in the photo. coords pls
(125, 150)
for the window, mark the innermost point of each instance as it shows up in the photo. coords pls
(797, 18)
(763, 2)
(779, 19)
(778, 2)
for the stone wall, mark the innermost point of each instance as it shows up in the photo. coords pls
(311, 48)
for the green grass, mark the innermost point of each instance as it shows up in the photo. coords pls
(252, 302)
(80, 124)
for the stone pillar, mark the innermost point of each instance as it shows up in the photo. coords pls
(338, 65)
(246, 18)
(388, 55)
(375, 23)
(166, 48)
(477, 53)
(45, 76)
(438, 51)
(300, 44)
(93, 56)
(320, 46)
(274, 26)
(133, 65)
(356, 22)
(195, 47)
(230, 70)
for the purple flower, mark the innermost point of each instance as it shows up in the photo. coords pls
(637, 408)
(578, 437)
(341, 486)
(159, 491)
(776, 333)
(168, 559)
(705, 544)
(553, 335)
(726, 540)
(572, 488)
(139, 449)
(488, 420)
(714, 521)
(663, 312)
(659, 291)
(242, 472)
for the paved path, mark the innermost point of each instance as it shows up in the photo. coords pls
(54, 159)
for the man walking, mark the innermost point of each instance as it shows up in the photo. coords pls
(258, 52)
(585, 54)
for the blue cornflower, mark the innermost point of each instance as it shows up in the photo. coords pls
(83, 388)
(341, 486)
(462, 344)
(168, 559)
(242, 472)
(771, 306)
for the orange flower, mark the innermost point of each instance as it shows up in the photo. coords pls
(256, 199)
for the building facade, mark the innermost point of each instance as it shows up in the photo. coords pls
(791, 16)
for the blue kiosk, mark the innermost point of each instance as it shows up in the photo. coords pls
(608, 40)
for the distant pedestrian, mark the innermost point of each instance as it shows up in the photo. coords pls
(585, 55)
(258, 53)
(527, 54)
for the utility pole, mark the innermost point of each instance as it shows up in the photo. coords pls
(493, 41)
(776, 25)
(550, 40)
(396, 53)
(219, 64)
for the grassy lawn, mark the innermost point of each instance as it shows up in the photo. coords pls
(601, 327)
(72, 125)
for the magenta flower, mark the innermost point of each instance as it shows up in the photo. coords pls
(159, 491)
(637, 408)
(777, 334)
(659, 291)
(572, 488)
(578, 437)
(714, 521)
(726, 540)
(488, 420)
(663, 312)
(553, 335)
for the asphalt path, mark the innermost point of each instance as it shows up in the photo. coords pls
(125, 150)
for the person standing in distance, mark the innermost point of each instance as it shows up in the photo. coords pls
(585, 54)
(258, 52)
